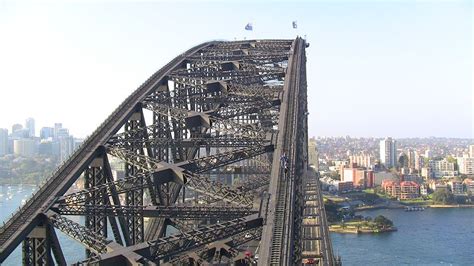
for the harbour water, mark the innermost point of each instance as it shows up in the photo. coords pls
(11, 197)
(434, 236)
(430, 237)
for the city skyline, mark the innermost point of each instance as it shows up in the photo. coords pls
(34, 129)
(395, 69)
(38, 128)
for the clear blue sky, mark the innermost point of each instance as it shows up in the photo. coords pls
(375, 68)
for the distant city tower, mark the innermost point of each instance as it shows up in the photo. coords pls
(30, 125)
(3, 141)
(388, 149)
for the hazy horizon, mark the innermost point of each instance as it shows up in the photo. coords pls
(397, 68)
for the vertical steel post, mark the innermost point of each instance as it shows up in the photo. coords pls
(94, 176)
(134, 198)
(37, 248)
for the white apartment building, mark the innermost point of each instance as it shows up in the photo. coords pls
(466, 165)
(441, 168)
(361, 160)
(24, 147)
(388, 152)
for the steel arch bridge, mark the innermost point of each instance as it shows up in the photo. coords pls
(213, 148)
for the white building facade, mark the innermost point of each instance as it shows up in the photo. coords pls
(466, 165)
(441, 168)
(388, 152)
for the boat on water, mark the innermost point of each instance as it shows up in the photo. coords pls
(414, 208)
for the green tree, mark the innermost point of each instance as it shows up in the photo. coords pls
(383, 221)
(426, 161)
(443, 196)
(335, 175)
(451, 159)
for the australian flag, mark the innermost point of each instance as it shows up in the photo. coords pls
(248, 26)
(295, 25)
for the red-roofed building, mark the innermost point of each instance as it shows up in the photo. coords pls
(403, 190)
(409, 190)
(391, 188)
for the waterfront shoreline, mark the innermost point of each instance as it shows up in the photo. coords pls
(367, 208)
(361, 231)
(450, 206)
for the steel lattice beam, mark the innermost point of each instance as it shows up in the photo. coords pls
(165, 247)
(176, 212)
(92, 240)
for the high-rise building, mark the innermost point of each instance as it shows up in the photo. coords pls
(24, 147)
(21, 134)
(30, 125)
(419, 161)
(45, 147)
(57, 127)
(388, 152)
(16, 127)
(471, 151)
(411, 158)
(361, 160)
(66, 142)
(46, 132)
(3, 141)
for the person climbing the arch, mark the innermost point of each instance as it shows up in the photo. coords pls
(284, 163)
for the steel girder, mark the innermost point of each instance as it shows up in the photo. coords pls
(210, 162)
(176, 212)
(163, 248)
(206, 141)
(215, 252)
(93, 241)
(243, 170)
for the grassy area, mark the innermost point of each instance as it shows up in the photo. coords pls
(418, 201)
(381, 195)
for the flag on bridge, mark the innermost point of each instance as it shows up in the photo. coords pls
(248, 26)
(295, 25)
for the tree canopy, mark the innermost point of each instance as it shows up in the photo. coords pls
(383, 221)
(443, 196)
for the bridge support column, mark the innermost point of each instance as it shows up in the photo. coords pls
(96, 220)
(37, 248)
(134, 198)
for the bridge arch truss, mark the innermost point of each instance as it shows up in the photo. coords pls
(187, 169)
